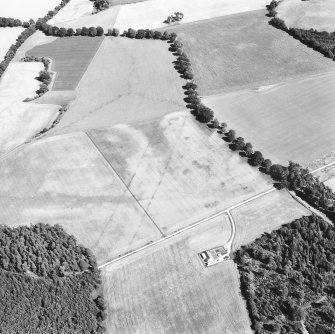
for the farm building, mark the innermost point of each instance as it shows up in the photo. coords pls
(214, 256)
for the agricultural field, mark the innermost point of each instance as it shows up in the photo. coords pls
(127, 81)
(27, 9)
(20, 121)
(152, 14)
(293, 120)
(70, 58)
(265, 214)
(78, 13)
(243, 50)
(8, 37)
(314, 14)
(178, 170)
(64, 180)
(331, 183)
(177, 294)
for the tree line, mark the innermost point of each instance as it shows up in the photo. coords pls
(321, 41)
(44, 76)
(287, 276)
(48, 283)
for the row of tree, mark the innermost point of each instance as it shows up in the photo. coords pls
(47, 283)
(13, 48)
(10, 22)
(44, 76)
(288, 276)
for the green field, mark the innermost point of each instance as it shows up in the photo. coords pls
(71, 57)
(244, 50)
(265, 214)
(128, 81)
(166, 289)
(288, 121)
(64, 180)
(178, 170)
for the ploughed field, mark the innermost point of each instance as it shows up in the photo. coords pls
(314, 14)
(293, 120)
(71, 57)
(178, 170)
(128, 81)
(166, 289)
(243, 50)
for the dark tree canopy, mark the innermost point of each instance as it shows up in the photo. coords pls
(288, 276)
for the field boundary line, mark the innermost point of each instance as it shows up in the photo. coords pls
(141, 206)
(89, 65)
(323, 167)
(197, 223)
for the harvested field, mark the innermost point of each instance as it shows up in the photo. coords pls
(152, 14)
(71, 57)
(27, 9)
(20, 121)
(123, 2)
(74, 10)
(166, 289)
(243, 50)
(316, 14)
(265, 214)
(288, 121)
(128, 81)
(64, 180)
(62, 98)
(177, 169)
(78, 13)
(8, 37)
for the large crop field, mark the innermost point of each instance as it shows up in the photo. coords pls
(177, 169)
(166, 289)
(27, 9)
(289, 121)
(265, 214)
(128, 81)
(243, 50)
(71, 57)
(8, 37)
(314, 14)
(152, 14)
(64, 180)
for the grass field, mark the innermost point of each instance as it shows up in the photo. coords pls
(128, 81)
(167, 290)
(65, 180)
(177, 169)
(265, 214)
(123, 2)
(314, 14)
(20, 121)
(243, 50)
(71, 57)
(27, 9)
(289, 121)
(152, 14)
(331, 183)
(8, 37)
